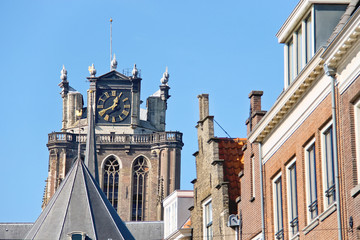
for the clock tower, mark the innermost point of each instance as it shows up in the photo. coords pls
(138, 161)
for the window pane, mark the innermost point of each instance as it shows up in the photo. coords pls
(329, 166)
(299, 50)
(312, 181)
(293, 200)
(111, 180)
(291, 61)
(309, 37)
(140, 172)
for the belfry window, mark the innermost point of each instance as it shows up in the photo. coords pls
(140, 176)
(111, 180)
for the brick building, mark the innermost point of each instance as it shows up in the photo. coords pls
(216, 188)
(308, 143)
(138, 162)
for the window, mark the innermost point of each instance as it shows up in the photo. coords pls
(357, 136)
(299, 49)
(252, 178)
(111, 180)
(278, 217)
(328, 165)
(140, 175)
(311, 181)
(292, 199)
(207, 210)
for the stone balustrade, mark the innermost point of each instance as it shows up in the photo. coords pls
(64, 137)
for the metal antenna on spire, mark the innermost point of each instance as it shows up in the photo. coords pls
(110, 41)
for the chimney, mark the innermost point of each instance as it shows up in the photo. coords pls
(203, 106)
(256, 113)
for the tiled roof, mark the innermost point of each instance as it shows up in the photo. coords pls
(230, 150)
(187, 224)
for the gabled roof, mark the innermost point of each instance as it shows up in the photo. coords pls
(113, 75)
(79, 205)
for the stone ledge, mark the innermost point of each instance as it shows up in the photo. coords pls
(328, 212)
(311, 226)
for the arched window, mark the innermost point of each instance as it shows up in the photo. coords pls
(140, 175)
(111, 180)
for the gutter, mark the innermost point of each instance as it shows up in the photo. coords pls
(331, 73)
(262, 194)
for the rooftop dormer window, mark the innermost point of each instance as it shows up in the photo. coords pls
(307, 29)
(299, 49)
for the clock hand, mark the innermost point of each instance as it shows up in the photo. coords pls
(112, 107)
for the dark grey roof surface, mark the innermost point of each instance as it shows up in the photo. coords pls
(14, 230)
(90, 154)
(79, 205)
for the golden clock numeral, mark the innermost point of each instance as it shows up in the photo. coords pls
(102, 112)
(106, 94)
(125, 112)
(126, 106)
(100, 99)
(120, 94)
(113, 119)
(125, 99)
(100, 106)
(113, 93)
(121, 118)
(106, 118)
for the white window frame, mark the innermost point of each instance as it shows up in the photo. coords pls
(312, 142)
(289, 167)
(205, 224)
(297, 64)
(324, 163)
(357, 136)
(253, 177)
(278, 229)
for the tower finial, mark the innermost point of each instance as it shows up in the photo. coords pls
(164, 80)
(113, 63)
(110, 43)
(92, 70)
(63, 76)
(135, 71)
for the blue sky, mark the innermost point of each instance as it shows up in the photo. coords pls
(224, 48)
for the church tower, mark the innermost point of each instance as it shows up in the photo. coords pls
(138, 162)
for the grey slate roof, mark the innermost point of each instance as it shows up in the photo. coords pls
(79, 205)
(14, 230)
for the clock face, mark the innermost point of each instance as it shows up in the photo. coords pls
(113, 106)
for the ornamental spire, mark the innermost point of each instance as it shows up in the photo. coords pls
(92, 70)
(63, 76)
(164, 80)
(114, 63)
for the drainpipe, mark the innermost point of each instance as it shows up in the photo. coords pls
(331, 73)
(262, 194)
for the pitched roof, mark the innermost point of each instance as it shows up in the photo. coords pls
(230, 150)
(79, 205)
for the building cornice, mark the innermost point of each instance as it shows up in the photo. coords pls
(332, 56)
(288, 99)
(343, 42)
(298, 13)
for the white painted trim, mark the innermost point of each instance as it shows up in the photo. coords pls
(274, 202)
(298, 13)
(284, 98)
(323, 163)
(206, 202)
(309, 220)
(288, 193)
(296, 117)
